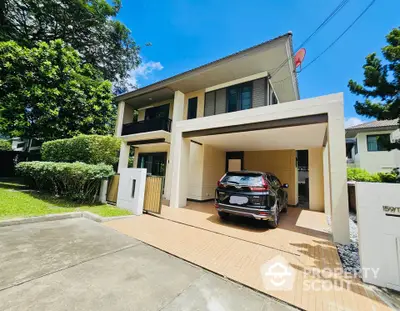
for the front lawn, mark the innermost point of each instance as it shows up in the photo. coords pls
(17, 201)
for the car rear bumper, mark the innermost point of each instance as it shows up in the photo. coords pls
(257, 213)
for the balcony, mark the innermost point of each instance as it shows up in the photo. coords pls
(147, 126)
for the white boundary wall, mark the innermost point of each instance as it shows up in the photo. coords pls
(127, 198)
(378, 219)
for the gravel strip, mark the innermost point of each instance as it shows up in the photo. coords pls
(349, 253)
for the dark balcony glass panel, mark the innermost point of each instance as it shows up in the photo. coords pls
(147, 126)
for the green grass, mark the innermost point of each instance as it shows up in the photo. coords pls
(17, 201)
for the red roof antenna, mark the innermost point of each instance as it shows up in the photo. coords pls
(299, 57)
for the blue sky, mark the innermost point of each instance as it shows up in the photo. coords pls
(187, 33)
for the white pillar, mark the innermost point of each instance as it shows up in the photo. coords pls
(177, 115)
(103, 191)
(180, 171)
(136, 158)
(316, 179)
(123, 156)
(120, 118)
(338, 173)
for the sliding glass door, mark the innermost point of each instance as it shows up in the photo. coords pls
(155, 163)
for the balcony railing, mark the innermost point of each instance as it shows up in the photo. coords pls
(147, 126)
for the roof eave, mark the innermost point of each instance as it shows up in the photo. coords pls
(164, 83)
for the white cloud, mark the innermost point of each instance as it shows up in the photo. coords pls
(348, 122)
(143, 72)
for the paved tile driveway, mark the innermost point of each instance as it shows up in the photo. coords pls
(77, 264)
(239, 249)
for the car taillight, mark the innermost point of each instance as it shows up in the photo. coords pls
(220, 184)
(264, 187)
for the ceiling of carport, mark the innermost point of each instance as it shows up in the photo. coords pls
(296, 137)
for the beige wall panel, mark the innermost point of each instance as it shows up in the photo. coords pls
(213, 170)
(316, 179)
(282, 163)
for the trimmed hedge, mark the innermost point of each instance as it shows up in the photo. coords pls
(91, 149)
(359, 174)
(76, 181)
(5, 145)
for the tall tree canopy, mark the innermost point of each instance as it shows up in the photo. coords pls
(89, 26)
(381, 88)
(48, 92)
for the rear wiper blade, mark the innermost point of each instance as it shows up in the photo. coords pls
(232, 182)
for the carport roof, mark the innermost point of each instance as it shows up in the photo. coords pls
(292, 133)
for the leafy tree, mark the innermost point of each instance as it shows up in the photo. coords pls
(47, 92)
(89, 27)
(5, 145)
(381, 83)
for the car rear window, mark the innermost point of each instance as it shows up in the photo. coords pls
(245, 179)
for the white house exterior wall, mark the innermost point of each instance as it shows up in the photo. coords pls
(375, 161)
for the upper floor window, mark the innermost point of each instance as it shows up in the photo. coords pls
(377, 142)
(192, 108)
(239, 97)
(159, 112)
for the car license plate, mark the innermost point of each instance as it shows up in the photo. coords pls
(238, 200)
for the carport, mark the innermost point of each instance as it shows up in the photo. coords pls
(266, 138)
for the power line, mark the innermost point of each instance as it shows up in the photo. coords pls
(334, 42)
(325, 22)
(341, 35)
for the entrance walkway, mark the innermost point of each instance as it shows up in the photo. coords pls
(238, 249)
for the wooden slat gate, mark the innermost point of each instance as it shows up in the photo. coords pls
(112, 191)
(153, 194)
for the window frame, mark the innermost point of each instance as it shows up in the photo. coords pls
(157, 109)
(239, 104)
(143, 155)
(195, 102)
(379, 147)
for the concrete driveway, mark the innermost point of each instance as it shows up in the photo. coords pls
(77, 264)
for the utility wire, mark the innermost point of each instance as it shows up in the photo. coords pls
(334, 42)
(325, 22)
(340, 36)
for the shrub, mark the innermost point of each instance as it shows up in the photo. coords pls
(5, 145)
(359, 174)
(90, 149)
(76, 181)
(392, 177)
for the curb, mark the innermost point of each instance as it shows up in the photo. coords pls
(52, 217)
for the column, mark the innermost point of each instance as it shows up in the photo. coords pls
(177, 115)
(338, 174)
(120, 118)
(180, 171)
(123, 156)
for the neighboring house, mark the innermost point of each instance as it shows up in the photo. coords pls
(28, 145)
(238, 112)
(365, 144)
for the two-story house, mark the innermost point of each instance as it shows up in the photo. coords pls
(239, 112)
(366, 146)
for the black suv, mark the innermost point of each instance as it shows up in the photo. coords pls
(257, 195)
